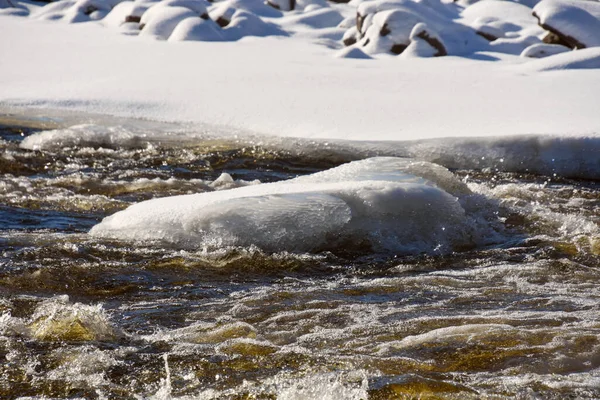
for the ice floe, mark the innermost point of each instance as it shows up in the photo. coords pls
(381, 204)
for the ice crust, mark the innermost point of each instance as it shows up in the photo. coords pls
(384, 204)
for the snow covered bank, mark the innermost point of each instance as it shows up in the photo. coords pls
(289, 86)
(379, 204)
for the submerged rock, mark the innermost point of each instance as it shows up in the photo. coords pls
(58, 319)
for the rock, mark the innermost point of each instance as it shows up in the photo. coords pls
(133, 18)
(424, 42)
(350, 36)
(283, 5)
(223, 16)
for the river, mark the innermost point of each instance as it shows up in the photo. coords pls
(85, 317)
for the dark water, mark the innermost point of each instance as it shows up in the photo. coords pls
(88, 318)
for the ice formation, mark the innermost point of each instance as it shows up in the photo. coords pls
(384, 204)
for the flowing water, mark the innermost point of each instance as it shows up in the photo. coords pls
(91, 318)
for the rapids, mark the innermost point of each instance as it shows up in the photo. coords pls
(516, 315)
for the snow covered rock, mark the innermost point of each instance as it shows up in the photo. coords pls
(495, 19)
(574, 23)
(222, 15)
(384, 26)
(542, 50)
(384, 204)
(244, 23)
(197, 29)
(200, 7)
(424, 43)
(160, 21)
(256, 7)
(316, 18)
(73, 11)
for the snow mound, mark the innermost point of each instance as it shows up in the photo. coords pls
(573, 23)
(510, 27)
(160, 21)
(197, 29)
(542, 50)
(381, 204)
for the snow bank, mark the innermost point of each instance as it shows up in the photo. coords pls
(376, 26)
(290, 87)
(383, 204)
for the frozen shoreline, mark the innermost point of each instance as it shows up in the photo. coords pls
(289, 87)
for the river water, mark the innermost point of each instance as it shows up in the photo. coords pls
(82, 317)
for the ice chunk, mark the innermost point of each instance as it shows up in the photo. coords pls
(380, 204)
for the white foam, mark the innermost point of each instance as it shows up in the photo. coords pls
(381, 203)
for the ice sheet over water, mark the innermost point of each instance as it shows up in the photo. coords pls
(384, 204)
